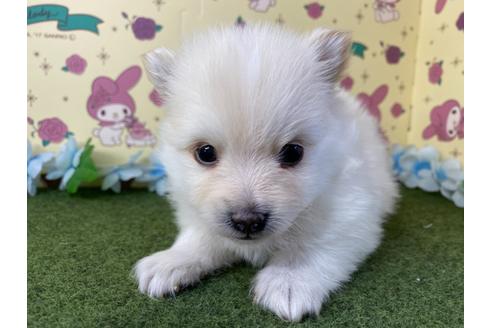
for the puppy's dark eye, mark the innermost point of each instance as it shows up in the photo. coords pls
(206, 155)
(290, 155)
(103, 112)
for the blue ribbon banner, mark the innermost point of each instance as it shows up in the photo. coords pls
(66, 22)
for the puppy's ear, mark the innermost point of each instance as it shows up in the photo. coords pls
(158, 64)
(333, 51)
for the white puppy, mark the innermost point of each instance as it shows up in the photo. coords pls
(268, 162)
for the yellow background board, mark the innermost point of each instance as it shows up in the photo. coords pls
(440, 43)
(407, 61)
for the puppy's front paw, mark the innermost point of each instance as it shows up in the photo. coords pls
(286, 293)
(165, 273)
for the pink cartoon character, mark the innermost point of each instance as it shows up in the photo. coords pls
(447, 122)
(385, 11)
(114, 108)
(372, 102)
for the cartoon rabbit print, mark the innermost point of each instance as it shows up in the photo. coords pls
(447, 122)
(372, 101)
(385, 11)
(261, 6)
(111, 104)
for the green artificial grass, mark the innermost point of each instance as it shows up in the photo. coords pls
(82, 247)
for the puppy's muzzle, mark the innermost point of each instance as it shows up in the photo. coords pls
(248, 221)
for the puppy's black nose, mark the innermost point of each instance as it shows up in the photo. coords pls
(248, 221)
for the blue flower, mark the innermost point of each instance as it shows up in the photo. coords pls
(396, 153)
(114, 175)
(417, 168)
(449, 176)
(155, 175)
(66, 161)
(34, 166)
(422, 168)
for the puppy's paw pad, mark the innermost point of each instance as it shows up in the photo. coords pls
(163, 273)
(281, 292)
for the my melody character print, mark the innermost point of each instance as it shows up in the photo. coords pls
(111, 104)
(261, 6)
(385, 11)
(447, 122)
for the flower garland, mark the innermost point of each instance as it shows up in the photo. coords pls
(113, 176)
(155, 176)
(35, 165)
(413, 167)
(73, 166)
(422, 168)
(152, 174)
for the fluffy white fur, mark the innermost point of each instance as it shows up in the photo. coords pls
(248, 92)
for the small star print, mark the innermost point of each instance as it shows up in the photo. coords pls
(456, 62)
(158, 4)
(31, 98)
(456, 152)
(404, 33)
(443, 27)
(280, 20)
(103, 56)
(427, 99)
(36, 54)
(401, 87)
(45, 66)
(65, 98)
(364, 76)
(359, 17)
